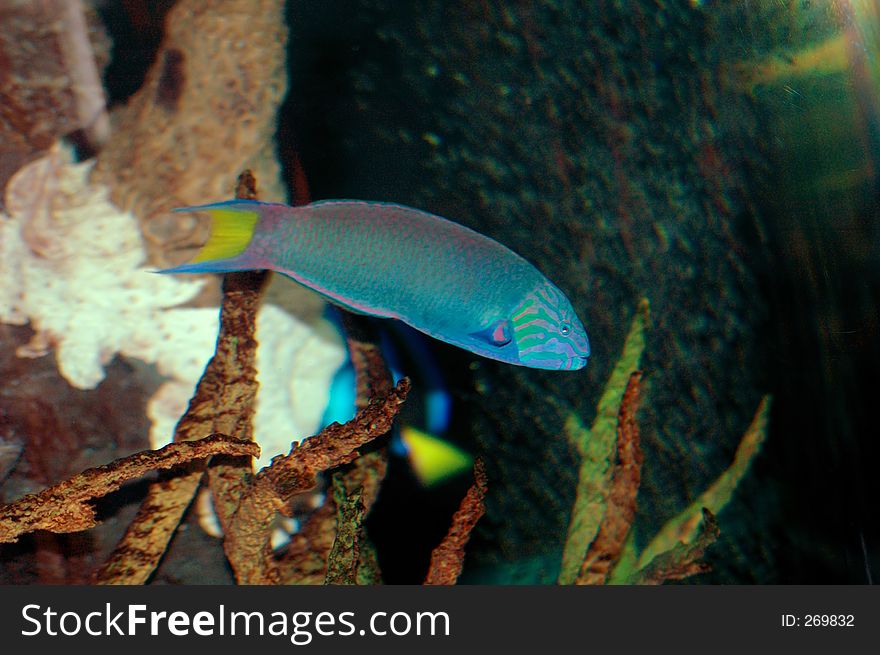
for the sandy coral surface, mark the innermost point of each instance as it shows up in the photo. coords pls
(74, 266)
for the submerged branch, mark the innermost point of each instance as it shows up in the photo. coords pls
(344, 556)
(447, 559)
(682, 560)
(66, 507)
(223, 402)
(625, 480)
(250, 529)
(597, 447)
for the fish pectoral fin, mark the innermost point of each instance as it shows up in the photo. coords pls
(497, 334)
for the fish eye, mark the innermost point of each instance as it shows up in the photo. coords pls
(565, 329)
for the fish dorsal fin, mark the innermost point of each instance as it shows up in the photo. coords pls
(497, 334)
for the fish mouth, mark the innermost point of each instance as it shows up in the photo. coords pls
(577, 362)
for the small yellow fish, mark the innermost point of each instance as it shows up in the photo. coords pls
(433, 460)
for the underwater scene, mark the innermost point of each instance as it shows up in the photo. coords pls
(439, 291)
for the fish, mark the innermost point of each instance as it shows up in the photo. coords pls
(392, 261)
(406, 354)
(432, 458)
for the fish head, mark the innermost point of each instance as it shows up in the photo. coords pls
(548, 333)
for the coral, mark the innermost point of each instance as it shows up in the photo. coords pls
(597, 447)
(447, 559)
(49, 81)
(207, 107)
(228, 384)
(73, 265)
(600, 547)
(66, 507)
(248, 536)
(247, 527)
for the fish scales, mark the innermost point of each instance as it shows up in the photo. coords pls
(402, 263)
(392, 261)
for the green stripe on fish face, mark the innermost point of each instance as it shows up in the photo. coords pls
(547, 332)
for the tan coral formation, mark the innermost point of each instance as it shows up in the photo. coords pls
(49, 81)
(72, 265)
(207, 107)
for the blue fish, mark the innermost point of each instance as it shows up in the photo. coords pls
(392, 261)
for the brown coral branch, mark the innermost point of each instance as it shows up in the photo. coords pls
(216, 104)
(447, 559)
(146, 539)
(625, 480)
(223, 402)
(237, 396)
(236, 391)
(54, 94)
(304, 560)
(309, 557)
(335, 444)
(597, 447)
(344, 556)
(249, 531)
(66, 507)
(372, 378)
(683, 560)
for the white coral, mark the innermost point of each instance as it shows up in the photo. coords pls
(72, 264)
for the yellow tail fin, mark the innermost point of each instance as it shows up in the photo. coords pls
(231, 231)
